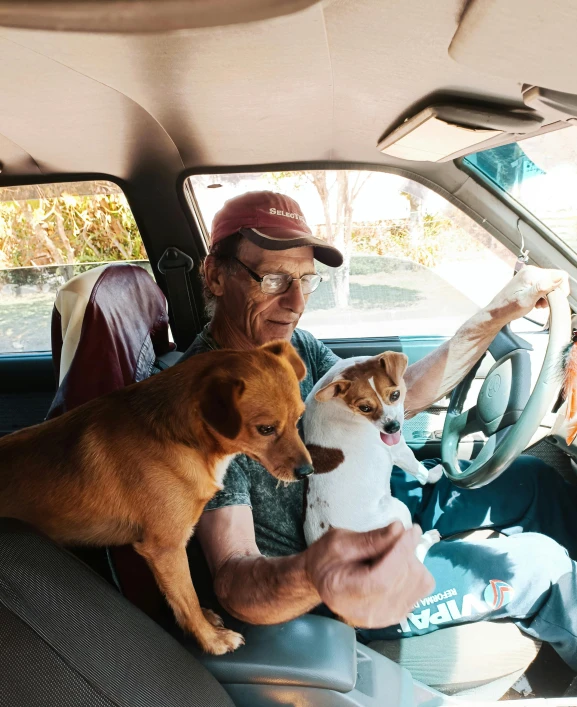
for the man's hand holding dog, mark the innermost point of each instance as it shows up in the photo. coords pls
(370, 579)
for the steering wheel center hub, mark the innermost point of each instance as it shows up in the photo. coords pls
(505, 392)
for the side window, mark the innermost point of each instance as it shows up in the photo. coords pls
(414, 264)
(48, 234)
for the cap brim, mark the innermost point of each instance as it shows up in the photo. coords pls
(269, 240)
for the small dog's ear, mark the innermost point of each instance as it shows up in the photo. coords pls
(395, 365)
(286, 349)
(219, 405)
(335, 389)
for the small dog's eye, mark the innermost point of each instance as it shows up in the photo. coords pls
(265, 430)
(395, 396)
(365, 408)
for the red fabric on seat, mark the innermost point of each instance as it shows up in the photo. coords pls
(124, 328)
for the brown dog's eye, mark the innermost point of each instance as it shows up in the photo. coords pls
(395, 395)
(365, 408)
(265, 430)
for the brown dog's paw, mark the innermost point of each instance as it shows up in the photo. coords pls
(213, 618)
(223, 641)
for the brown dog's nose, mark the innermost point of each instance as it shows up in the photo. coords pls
(302, 471)
(392, 427)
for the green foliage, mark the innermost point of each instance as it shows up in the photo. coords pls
(68, 229)
(436, 238)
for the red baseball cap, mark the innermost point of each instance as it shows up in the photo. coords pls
(271, 221)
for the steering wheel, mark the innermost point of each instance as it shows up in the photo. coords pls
(506, 411)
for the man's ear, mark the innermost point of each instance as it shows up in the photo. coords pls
(395, 364)
(213, 275)
(286, 349)
(219, 405)
(335, 389)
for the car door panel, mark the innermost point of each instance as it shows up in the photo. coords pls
(27, 387)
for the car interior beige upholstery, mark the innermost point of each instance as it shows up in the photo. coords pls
(464, 660)
(515, 39)
(140, 15)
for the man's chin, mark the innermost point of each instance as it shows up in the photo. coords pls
(276, 330)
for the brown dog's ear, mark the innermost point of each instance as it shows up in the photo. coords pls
(333, 390)
(286, 349)
(219, 406)
(395, 365)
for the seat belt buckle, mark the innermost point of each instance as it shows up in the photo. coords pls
(174, 259)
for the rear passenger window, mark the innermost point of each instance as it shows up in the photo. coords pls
(48, 234)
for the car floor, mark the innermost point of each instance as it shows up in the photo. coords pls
(547, 676)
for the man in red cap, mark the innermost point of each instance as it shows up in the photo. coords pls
(254, 231)
(258, 276)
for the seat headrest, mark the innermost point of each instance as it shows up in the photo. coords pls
(108, 326)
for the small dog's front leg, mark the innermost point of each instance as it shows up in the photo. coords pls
(404, 457)
(428, 539)
(434, 474)
(169, 563)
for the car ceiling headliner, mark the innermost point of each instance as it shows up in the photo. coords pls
(320, 85)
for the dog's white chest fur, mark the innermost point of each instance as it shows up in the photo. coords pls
(351, 484)
(220, 469)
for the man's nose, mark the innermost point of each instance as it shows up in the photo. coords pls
(293, 298)
(392, 427)
(302, 471)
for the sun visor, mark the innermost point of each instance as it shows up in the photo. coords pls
(529, 41)
(441, 133)
(140, 16)
(556, 105)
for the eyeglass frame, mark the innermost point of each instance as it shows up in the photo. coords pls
(260, 279)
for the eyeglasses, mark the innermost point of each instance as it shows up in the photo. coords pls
(278, 283)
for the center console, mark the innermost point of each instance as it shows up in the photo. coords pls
(312, 661)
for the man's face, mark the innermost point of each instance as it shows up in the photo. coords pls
(263, 318)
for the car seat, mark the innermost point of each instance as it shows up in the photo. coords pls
(109, 330)
(108, 327)
(69, 639)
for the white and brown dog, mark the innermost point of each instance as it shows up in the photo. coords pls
(352, 428)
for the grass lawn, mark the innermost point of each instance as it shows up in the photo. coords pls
(25, 322)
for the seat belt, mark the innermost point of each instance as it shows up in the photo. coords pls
(167, 360)
(175, 266)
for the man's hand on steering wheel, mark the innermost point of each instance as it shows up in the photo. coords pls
(527, 290)
(507, 411)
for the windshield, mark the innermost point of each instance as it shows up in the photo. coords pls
(413, 263)
(541, 174)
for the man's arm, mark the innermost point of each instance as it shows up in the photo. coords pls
(371, 579)
(437, 374)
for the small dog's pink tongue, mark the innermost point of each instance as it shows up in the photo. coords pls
(391, 439)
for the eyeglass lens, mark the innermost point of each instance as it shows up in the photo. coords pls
(277, 283)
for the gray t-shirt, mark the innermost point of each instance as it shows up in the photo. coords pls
(277, 509)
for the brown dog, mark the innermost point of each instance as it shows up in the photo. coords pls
(139, 465)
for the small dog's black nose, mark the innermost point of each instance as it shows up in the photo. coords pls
(302, 471)
(392, 427)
